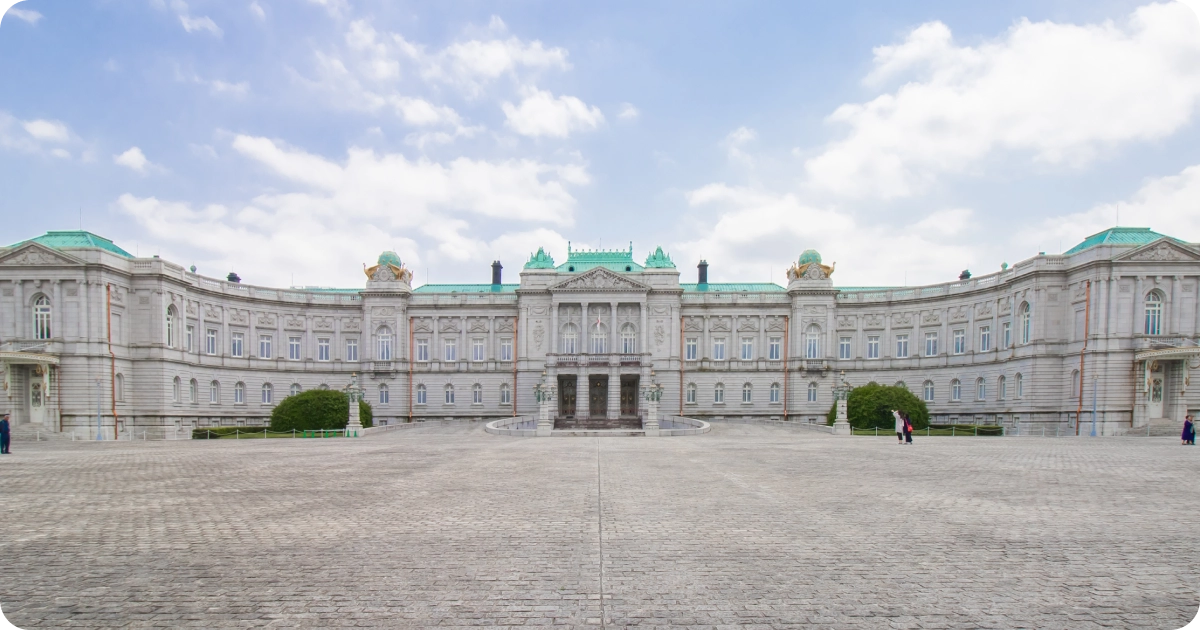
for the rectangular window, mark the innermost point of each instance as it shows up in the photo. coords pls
(960, 341)
(931, 344)
(690, 346)
(774, 348)
(505, 395)
(322, 348)
(352, 350)
(747, 349)
(210, 341)
(421, 395)
(506, 350)
(264, 346)
(189, 333)
(477, 396)
(719, 349)
(691, 394)
(236, 345)
(451, 349)
(844, 347)
(476, 349)
(873, 347)
(747, 394)
(1006, 335)
(901, 346)
(384, 395)
(775, 393)
(719, 394)
(293, 348)
(985, 338)
(422, 349)
(385, 347)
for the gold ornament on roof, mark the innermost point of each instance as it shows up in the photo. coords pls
(810, 271)
(388, 272)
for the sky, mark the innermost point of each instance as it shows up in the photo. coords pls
(291, 141)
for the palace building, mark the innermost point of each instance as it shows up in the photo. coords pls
(88, 330)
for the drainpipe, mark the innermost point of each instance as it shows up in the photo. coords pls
(516, 333)
(787, 329)
(1087, 327)
(410, 368)
(682, 357)
(112, 369)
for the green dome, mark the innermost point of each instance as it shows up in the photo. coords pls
(809, 256)
(389, 258)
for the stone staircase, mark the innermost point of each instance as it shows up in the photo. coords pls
(597, 424)
(1160, 427)
(32, 433)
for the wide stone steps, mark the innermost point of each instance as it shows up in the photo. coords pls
(596, 424)
(27, 433)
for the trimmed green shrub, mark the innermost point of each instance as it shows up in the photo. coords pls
(871, 405)
(831, 417)
(317, 409)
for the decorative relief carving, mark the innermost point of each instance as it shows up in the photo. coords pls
(539, 309)
(1080, 291)
(873, 320)
(660, 310)
(1005, 307)
(295, 322)
(448, 324)
(1125, 287)
(847, 322)
(423, 324)
(143, 299)
(719, 324)
(268, 319)
(599, 279)
(34, 256)
(212, 312)
(239, 317)
(504, 325)
(959, 314)
(383, 311)
(932, 317)
(902, 319)
(1052, 297)
(539, 335)
(627, 312)
(1162, 252)
(693, 324)
(191, 309)
(983, 310)
(748, 325)
(660, 335)
(351, 324)
(776, 324)
(73, 291)
(477, 325)
(117, 296)
(323, 323)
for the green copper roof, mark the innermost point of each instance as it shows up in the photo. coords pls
(76, 238)
(389, 258)
(1120, 236)
(620, 260)
(466, 288)
(809, 256)
(733, 287)
(540, 260)
(659, 260)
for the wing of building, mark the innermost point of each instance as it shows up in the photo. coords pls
(89, 331)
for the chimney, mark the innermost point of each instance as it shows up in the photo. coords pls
(703, 267)
(233, 277)
(496, 267)
(965, 275)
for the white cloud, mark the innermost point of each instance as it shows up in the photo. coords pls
(36, 137)
(628, 112)
(257, 11)
(194, 24)
(336, 8)
(133, 159)
(27, 15)
(238, 89)
(1060, 93)
(421, 113)
(541, 114)
(472, 65)
(47, 130)
(61, 153)
(734, 142)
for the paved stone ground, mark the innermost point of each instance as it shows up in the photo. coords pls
(748, 526)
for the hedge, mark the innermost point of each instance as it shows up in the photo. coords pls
(317, 409)
(870, 406)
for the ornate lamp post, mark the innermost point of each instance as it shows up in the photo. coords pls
(544, 394)
(355, 393)
(841, 393)
(652, 394)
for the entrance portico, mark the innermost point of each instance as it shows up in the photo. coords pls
(30, 386)
(1165, 375)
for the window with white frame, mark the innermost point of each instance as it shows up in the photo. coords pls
(1002, 388)
(41, 317)
(189, 333)
(570, 339)
(192, 387)
(1020, 386)
(1006, 335)
(719, 349)
(931, 344)
(628, 339)
(477, 351)
(293, 348)
(172, 322)
(237, 344)
(264, 346)
(955, 390)
(812, 342)
(1154, 313)
(901, 346)
(477, 394)
(384, 394)
(690, 346)
(449, 391)
(210, 341)
(1026, 323)
(774, 348)
(812, 392)
(873, 347)
(506, 349)
(239, 393)
(176, 389)
(599, 339)
(322, 348)
(747, 349)
(774, 392)
(450, 349)
(384, 337)
(985, 338)
(423, 350)
(928, 391)
(747, 393)
(719, 393)
(422, 393)
(691, 393)
(268, 393)
(295, 389)
(214, 392)
(960, 341)
(505, 394)
(844, 348)
(352, 349)
(980, 389)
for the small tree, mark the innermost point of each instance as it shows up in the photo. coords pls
(317, 409)
(870, 406)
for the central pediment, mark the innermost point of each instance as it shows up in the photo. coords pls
(599, 279)
(38, 254)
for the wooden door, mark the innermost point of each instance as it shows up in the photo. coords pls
(566, 396)
(598, 396)
(629, 395)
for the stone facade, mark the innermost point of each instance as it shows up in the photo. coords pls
(147, 345)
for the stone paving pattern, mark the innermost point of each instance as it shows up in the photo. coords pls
(749, 526)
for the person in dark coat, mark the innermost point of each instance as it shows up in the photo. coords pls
(908, 428)
(1189, 430)
(5, 437)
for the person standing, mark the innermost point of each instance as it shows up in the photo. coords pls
(1189, 430)
(899, 426)
(908, 428)
(5, 437)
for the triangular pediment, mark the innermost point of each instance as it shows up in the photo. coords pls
(37, 254)
(599, 279)
(1162, 250)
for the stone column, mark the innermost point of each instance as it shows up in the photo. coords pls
(554, 342)
(1176, 304)
(21, 312)
(435, 350)
(614, 391)
(56, 318)
(584, 331)
(85, 333)
(1138, 315)
(612, 328)
(645, 330)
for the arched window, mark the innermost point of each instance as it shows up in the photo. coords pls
(1026, 323)
(747, 393)
(295, 389)
(449, 394)
(41, 317)
(1154, 313)
(214, 392)
(477, 394)
(119, 387)
(628, 339)
(176, 389)
(812, 342)
(192, 387)
(719, 393)
(1075, 384)
(774, 392)
(172, 323)
(1020, 386)
(812, 392)
(268, 393)
(928, 391)
(955, 390)
(1002, 387)
(505, 394)
(383, 394)
(980, 389)
(422, 393)
(570, 339)
(599, 339)
(691, 393)
(384, 335)
(239, 393)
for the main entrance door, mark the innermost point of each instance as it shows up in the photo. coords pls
(37, 397)
(597, 396)
(566, 396)
(629, 395)
(1156, 397)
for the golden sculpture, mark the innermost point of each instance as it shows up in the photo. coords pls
(810, 271)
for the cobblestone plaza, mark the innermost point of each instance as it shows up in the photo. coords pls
(749, 526)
